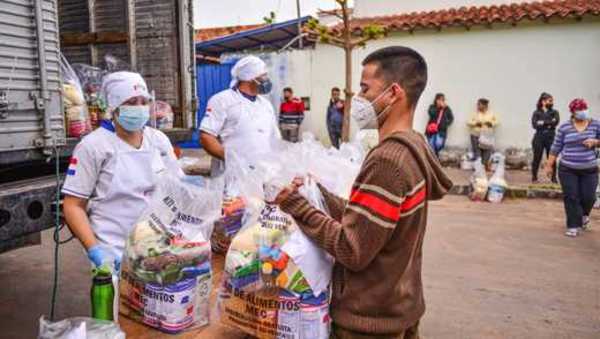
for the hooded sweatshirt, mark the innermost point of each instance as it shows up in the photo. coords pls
(377, 235)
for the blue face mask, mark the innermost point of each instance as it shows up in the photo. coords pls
(582, 115)
(133, 118)
(264, 86)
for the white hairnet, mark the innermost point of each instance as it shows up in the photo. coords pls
(119, 87)
(246, 69)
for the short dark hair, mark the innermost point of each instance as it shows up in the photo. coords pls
(336, 89)
(402, 65)
(288, 89)
(483, 101)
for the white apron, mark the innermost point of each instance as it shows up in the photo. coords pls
(131, 189)
(254, 135)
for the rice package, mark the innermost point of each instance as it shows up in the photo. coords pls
(276, 281)
(166, 271)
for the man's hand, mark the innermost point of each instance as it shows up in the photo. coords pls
(288, 190)
(540, 122)
(285, 193)
(591, 143)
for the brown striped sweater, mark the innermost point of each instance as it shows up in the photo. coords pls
(376, 237)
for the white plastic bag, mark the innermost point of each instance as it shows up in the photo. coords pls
(497, 183)
(265, 292)
(79, 328)
(487, 139)
(166, 271)
(479, 182)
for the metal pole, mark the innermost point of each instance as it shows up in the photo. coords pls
(300, 42)
(44, 96)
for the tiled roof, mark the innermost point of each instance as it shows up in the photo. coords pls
(481, 15)
(217, 32)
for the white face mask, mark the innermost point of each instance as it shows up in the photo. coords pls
(363, 111)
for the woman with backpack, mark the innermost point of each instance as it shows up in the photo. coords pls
(440, 118)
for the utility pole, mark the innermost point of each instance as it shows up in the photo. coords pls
(300, 43)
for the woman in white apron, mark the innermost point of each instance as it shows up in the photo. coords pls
(112, 173)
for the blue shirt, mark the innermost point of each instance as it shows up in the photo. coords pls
(568, 143)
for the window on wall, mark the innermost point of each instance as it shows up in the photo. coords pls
(306, 101)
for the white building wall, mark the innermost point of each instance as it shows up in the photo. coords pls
(511, 66)
(366, 8)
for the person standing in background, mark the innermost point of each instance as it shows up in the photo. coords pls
(240, 118)
(291, 115)
(482, 125)
(335, 117)
(576, 142)
(440, 118)
(544, 121)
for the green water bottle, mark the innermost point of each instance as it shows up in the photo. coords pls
(102, 294)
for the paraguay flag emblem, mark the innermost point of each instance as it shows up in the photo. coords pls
(72, 166)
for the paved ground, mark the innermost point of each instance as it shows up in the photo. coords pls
(490, 271)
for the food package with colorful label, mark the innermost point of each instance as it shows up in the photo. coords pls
(272, 286)
(166, 271)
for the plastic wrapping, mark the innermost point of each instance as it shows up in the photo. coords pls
(497, 183)
(79, 328)
(161, 115)
(265, 292)
(479, 182)
(166, 270)
(76, 111)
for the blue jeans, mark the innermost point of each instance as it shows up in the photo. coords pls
(579, 193)
(437, 143)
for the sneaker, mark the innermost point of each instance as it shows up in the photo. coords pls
(572, 232)
(586, 226)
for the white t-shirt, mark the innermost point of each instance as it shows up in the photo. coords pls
(91, 167)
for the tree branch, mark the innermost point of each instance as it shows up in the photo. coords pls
(360, 41)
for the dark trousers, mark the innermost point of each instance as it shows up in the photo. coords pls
(542, 142)
(335, 135)
(579, 191)
(478, 152)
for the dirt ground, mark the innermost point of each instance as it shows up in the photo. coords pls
(490, 271)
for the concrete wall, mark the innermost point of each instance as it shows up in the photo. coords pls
(363, 8)
(510, 66)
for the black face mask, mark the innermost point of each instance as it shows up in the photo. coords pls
(264, 86)
(549, 106)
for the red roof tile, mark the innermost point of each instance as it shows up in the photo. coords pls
(481, 15)
(217, 32)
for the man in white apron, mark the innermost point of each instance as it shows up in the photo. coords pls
(238, 118)
(113, 170)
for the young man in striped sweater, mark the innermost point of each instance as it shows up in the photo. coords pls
(377, 235)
